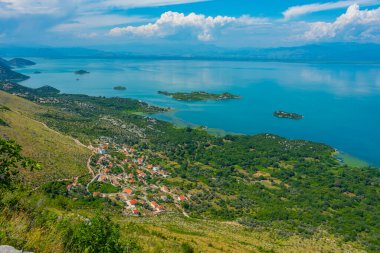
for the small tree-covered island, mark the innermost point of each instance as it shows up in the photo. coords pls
(288, 115)
(198, 95)
(81, 72)
(119, 87)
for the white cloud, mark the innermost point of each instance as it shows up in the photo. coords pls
(354, 25)
(144, 3)
(171, 23)
(300, 10)
(12, 8)
(93, 21)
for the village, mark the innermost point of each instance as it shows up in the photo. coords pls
(123, 174)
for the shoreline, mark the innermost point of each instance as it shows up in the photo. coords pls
(169, 116)
(340, 155)
(351, 160)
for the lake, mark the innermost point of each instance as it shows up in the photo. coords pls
(340, 102)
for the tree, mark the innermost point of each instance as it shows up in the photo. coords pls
(98, 234)
(10, 162)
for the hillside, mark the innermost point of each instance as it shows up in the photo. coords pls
(6, 74)
(4, 63)
(20, 62)
(58, 154)
(260, 184)
(62, 158)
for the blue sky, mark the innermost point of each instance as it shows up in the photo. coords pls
(232, 24)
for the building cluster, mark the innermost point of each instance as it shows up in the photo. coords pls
(139, 182)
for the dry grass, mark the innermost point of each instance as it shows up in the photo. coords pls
(58, 154)
(167, 232)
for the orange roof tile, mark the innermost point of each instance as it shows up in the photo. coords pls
(128, 191)
(133, 202)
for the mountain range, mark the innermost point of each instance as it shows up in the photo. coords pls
(324, 52)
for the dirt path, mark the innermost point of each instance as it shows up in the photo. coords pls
(89, 166)
(74, 139)
(54, 131)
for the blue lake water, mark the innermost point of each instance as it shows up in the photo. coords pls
(340, 102)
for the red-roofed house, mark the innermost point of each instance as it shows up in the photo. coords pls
(153, 204)
(135, 212)
(128, 191)
(132, 202)
(182, 198)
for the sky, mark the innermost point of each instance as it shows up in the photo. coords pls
(223, 23)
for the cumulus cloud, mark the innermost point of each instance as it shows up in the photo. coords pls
(171, 23)
(300, 10)
(354, 25)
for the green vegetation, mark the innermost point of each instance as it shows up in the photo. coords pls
(198, 96)
(259, 193)
(61, 156)
(3, 123)
(102, 187)
(10, 162)
(287, 115)
(97, 234)
(350, 160)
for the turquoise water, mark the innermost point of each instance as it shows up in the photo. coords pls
(340, 102)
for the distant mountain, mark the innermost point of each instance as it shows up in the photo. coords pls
(20, 62)
(326, 52)
(49, 52)
(4, 63)
(6, 74)
(331, 52)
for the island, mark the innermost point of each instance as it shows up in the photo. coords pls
(81, 72)
(287, 115)
(7, 74)
(198, 96)
(119, 88)
(20, 62)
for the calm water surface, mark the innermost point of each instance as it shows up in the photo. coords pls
(340, 102)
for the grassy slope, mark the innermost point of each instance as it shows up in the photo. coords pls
(166, 233)
(59, 155)
(62, 158)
